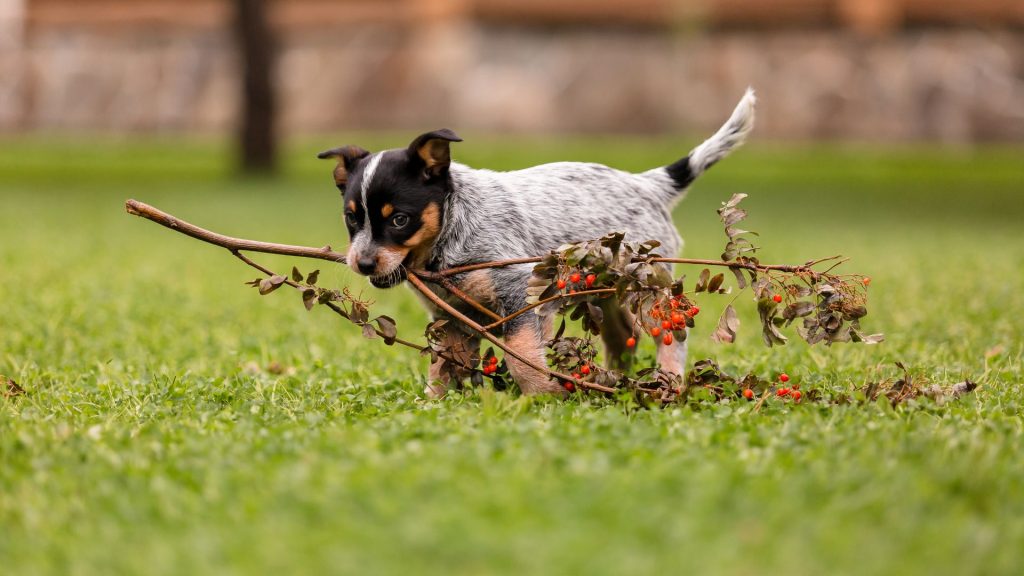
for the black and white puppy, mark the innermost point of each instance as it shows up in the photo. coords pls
(415, 208)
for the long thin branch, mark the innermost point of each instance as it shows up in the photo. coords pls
(538, 303)
(695, 261)
(148, 212)
(448, 285)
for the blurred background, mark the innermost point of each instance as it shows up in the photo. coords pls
(176, 423)
(949, 71)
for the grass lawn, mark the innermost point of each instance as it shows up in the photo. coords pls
(153, 440)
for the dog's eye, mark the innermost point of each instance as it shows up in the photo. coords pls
(400, 221)
(350, 219)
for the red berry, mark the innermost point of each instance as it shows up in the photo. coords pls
(574, 277)
(694, 311)
(678, 318)
(590, 280)
(630, 342)
(666, 325)
(655, 331)
(866, 280)
(748, 393)
(561, 283)
(667, 340)
(777, 298)
(796, 395)
(575, 376)
(783, 377)
(782, 391)
(585, 369)
(673, 304)
(493, 360)
(489, 369)
(573, 291)
(569, 386)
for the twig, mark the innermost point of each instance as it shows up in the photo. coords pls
(338, 310)
(148, 212)
(458, 293)
(522, 311)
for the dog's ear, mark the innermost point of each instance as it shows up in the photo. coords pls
(432, 150)
(347, 157)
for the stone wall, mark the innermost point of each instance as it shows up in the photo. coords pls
(942, 84)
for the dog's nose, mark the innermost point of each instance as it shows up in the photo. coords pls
(367, 265)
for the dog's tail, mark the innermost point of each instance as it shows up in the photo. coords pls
(731, 135)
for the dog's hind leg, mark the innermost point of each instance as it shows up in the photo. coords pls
(618, 326)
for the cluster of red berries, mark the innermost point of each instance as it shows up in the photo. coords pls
(674, 318)
(492, 365)
(793, 392)
(575, 279)
(584, 371)
(785, 392)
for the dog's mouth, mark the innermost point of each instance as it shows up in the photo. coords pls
(389, 280)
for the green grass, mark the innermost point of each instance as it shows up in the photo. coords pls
(148, 443)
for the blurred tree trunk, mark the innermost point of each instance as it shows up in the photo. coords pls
(257, 136)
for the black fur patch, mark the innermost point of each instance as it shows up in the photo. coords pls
(680, 172)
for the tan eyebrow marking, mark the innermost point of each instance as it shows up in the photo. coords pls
(352, 206)
(386, 210)
(431, 218)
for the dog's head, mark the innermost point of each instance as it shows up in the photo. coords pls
(394, 203)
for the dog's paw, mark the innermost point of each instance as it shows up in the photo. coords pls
(435, 391)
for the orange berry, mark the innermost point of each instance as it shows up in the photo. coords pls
(655, 331)
(561, 284)
(590, 280)
(678, 318)
(694, 311)
(796, 395)
(630, 342)
(748, 394)
(777, 298)
(574, 277)
(585, 369)
(866, 280)
(667, 340)
(665, 324)
(573, 291)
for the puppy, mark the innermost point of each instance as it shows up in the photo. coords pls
(415, 208)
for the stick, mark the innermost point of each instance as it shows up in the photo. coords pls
(148, 212)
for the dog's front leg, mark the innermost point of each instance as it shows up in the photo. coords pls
(672, 358)
(527, 335)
